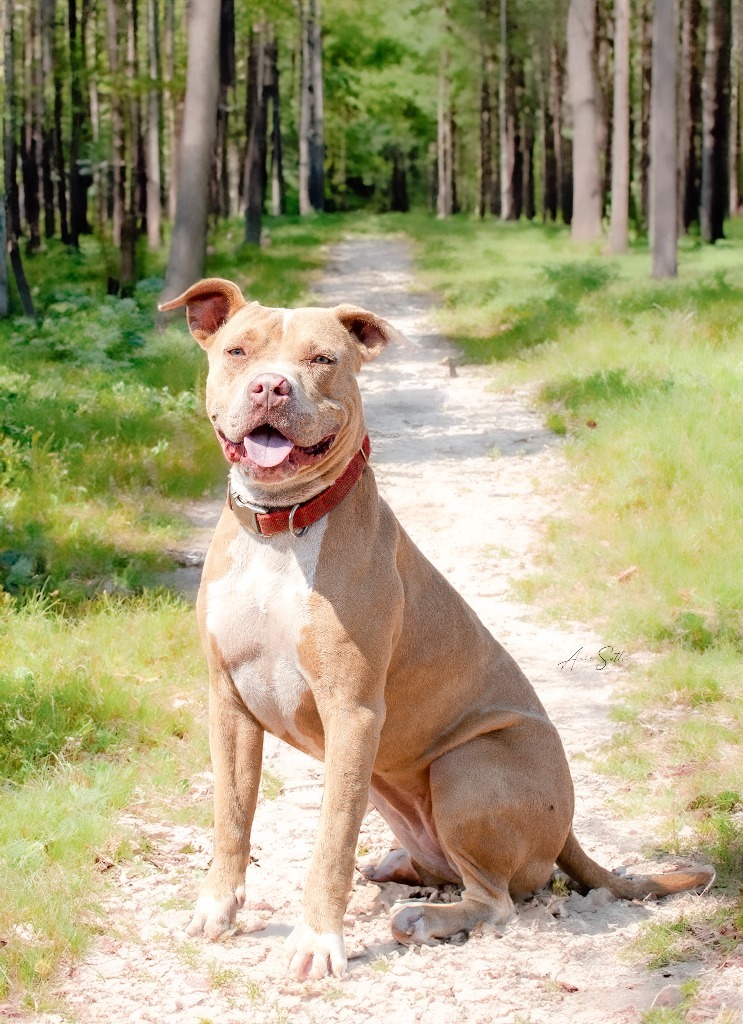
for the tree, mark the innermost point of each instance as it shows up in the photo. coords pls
(507, 121)
(587, 192)
(715, 114)
(312, 111)
(154, 204)
(445, 142)
(4, 303)
(619, 227)
(663, 174)
(277, 158)
(188, 246)
(12, 204)
(690, 112)
(255, 160)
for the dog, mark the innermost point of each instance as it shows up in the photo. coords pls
(324, 624)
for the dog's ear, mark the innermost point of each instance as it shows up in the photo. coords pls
(209, 304)
(371, 332)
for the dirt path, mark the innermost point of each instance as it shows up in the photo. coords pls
(472, 474)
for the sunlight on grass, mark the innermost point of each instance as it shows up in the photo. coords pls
(644, 379)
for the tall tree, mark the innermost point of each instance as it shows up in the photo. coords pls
(690, 113)
(277, 156)
(154, 201)
(255, 160)
(663, 164)
(312, 111)
(507, 119)
(31, 135)
(47, 123)
(445, 142)
(620, 161)
(715, 114)
(188, 244)
(736, 74)
(587, 192)
(4, 300)
(12, 203)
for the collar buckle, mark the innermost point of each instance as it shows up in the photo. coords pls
(252, 511)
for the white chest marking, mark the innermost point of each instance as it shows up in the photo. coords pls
(257, 611)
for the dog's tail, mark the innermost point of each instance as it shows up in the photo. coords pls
(575, 862)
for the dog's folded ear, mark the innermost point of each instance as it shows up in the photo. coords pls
(371, 332)
(209, 304)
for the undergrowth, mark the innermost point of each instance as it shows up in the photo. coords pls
(644, 380)
(102, 681)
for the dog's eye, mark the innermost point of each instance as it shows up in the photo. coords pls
(324, 360)
(235, 351)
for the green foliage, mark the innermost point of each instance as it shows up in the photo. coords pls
(646, 382)
(102, 676)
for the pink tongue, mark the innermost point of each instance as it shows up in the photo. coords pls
(267, 448)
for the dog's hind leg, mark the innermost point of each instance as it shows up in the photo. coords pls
(502, 806)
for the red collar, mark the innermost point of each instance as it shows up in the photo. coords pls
(266, 522)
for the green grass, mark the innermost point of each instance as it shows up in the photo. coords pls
(644, 379)
(102, 681)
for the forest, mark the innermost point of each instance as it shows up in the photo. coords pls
(140, 122)
(565, 178)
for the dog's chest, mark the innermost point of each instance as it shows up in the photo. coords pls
(257, 612)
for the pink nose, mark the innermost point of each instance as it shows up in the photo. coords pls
(269, 389)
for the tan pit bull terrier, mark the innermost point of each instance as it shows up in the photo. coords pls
(324, 624)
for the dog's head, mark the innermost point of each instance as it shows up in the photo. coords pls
(281, 391)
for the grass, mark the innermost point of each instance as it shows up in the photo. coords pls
(102, 435)
(644, 380)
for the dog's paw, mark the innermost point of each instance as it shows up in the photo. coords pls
(215, 915)
(411, 924)
(395, 866)
(315, 954)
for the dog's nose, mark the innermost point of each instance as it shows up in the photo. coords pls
(269, 389)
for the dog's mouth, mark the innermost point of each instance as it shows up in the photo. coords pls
(266, 448)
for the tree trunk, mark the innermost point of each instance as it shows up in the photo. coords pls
(118, 145)
(31, 139)
(587, 193)
(188, 245)
(619, 227)
(173, 113)
(277, 163)
(47, 124)
(507, 119)
(646, 74)
(12, 204)
(4, 299)
(486, 135)
(445, 153)
(563, 184)
(59, 162)
(133, 152)
(715, 112)
(663, 162)
(255, 159)
(77, 194)
(220, 172)
(735, 101)
(312, 116)
(690, 115)
(154, 203)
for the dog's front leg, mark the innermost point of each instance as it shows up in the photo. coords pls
(351, 739)
(236, 745)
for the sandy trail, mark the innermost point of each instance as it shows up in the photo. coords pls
(472, 475)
